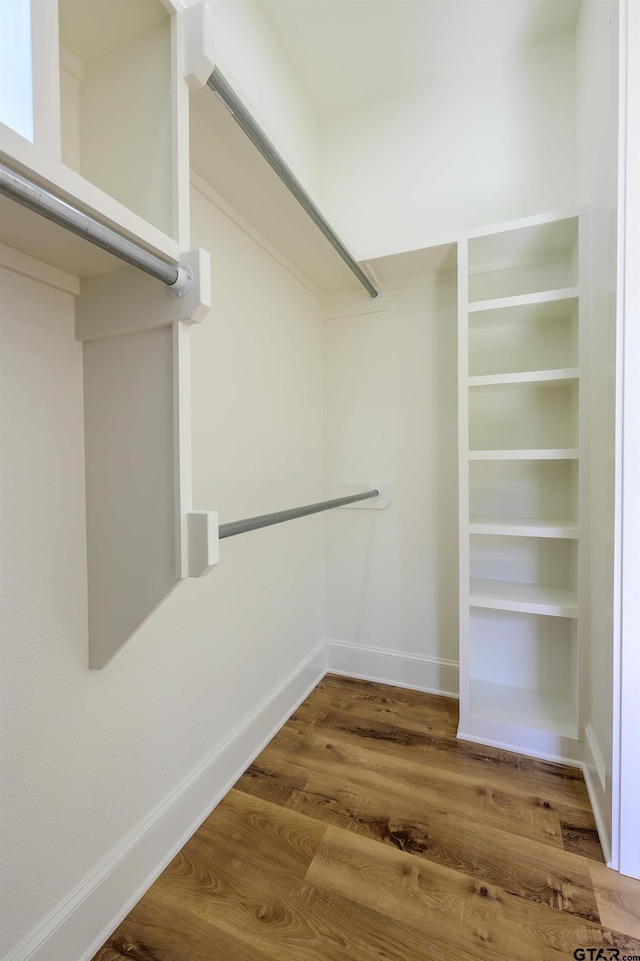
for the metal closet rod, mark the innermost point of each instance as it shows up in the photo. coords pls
(30, 195)
(266, 520)
(242, 117)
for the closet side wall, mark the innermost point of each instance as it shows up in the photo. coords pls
(391, 414)
(597, 115)
(468, 149)
(87, 756)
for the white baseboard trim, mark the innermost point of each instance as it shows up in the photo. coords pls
(593, 755)
(433, 675)
(77, 928)
(517, 747)
(594, 772)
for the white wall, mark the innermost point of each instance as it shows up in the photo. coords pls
(466, 151)
(597, 114)
(86, 756)
(391, 414)
(250, 58)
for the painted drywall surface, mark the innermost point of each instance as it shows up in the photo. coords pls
(391, 414)
(466, 151)
(597, 110)
(250, 58)
(87, 755)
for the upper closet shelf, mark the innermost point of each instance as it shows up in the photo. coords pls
(525, 261)
(104, 106)
(231, 172)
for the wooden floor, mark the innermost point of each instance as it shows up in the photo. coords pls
(366, 832)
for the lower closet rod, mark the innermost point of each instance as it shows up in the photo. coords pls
(29, 194)
(266, 520)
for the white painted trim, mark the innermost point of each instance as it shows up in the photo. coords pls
(417, 672)
(597, 799)
(505, 745)
(594, 756)
(203, 188)
(595, 777)
(76, 929)
(27, 266)
(529, 741)
(626, 769)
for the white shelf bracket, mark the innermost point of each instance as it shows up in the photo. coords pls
(203, 542)
(199, 50)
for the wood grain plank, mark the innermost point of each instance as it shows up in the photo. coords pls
(162, 928)
(519, 866)
(366, 832)
(443, 791)
(271, 781)
(473, 919)
(255, 827)
(579, 833)
(618, 899)
(428, 713)
(560, 784)
(280, 916)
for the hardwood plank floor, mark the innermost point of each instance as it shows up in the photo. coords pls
(366, 832)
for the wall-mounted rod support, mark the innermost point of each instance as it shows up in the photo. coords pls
(29, 194)
(242, 116)
(266, 520)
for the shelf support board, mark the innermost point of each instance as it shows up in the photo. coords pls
(136, 358)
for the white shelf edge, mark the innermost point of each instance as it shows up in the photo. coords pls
(522, 300)
(523, 527)
(545, 453)
(523, 598)
(557, 376)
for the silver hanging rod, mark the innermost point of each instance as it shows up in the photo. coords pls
(266, 520)
(242, 117)
(29, 194)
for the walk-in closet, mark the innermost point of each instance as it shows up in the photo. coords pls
(362, 257)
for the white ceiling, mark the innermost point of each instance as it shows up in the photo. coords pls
(346, 53)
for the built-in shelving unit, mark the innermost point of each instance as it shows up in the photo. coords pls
(521, 305)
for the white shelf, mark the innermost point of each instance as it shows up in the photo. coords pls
(557, 377)
(524, 300)
(523, 526)
(526, 598)
(542, 454)
(551, 712)
(524, 261)
(30, 233)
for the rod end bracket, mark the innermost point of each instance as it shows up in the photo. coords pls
(182, 284)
